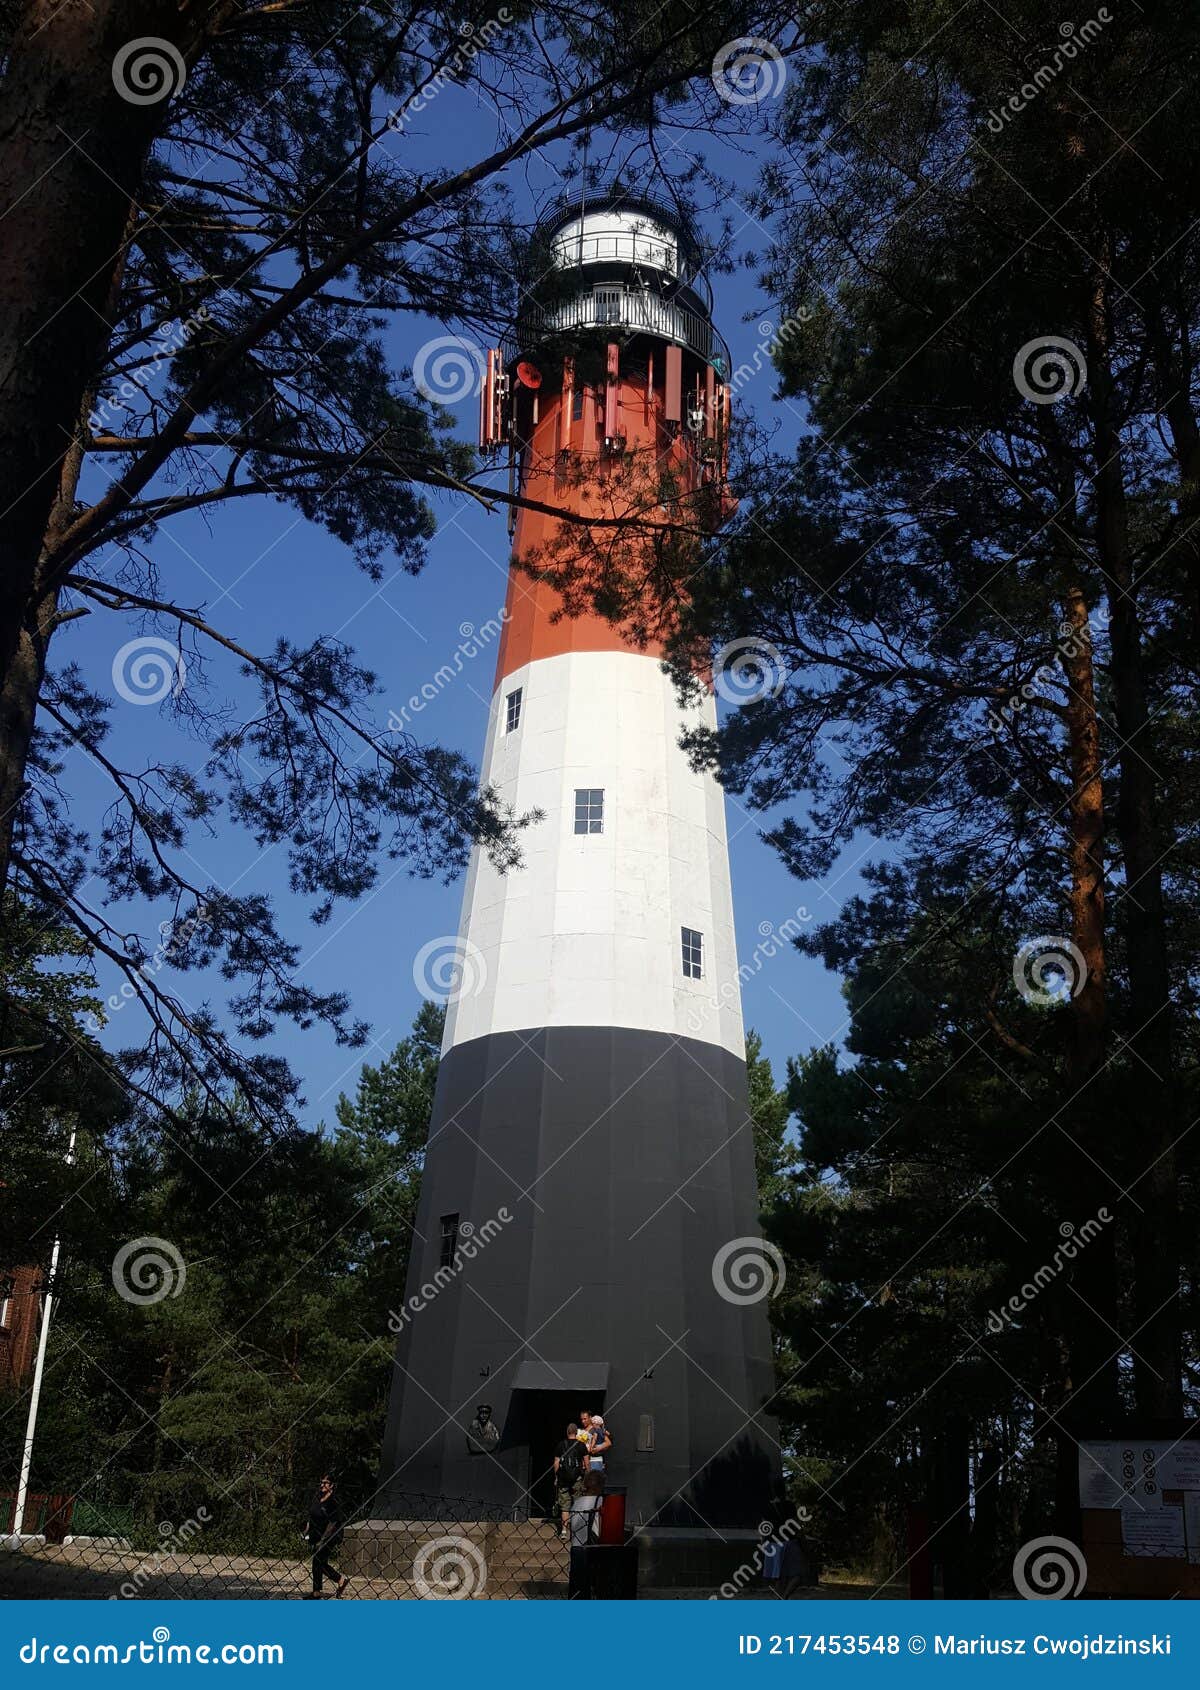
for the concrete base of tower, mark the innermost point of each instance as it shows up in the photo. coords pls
(580, 1184)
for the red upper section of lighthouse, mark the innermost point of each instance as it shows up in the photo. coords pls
(532, 631)
(572, 464)
(614, 401)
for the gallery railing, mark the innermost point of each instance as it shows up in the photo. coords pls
(627, 310)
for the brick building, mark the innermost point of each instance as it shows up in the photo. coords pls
(20, 1311)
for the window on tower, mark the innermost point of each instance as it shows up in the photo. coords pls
(693, 953)
(589, 809)
(449, 1239)
(512, 714)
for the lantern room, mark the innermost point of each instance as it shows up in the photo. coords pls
(615, 340)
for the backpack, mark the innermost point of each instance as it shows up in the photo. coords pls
(570, 1465)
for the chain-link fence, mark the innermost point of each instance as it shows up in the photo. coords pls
(411, 1559)
(439, 1549)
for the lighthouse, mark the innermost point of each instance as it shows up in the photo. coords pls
(589, 1190)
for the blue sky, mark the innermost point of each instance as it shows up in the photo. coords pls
(258, 569)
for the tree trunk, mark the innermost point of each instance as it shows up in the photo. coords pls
(18, 708)
(1149, 1160)
(23, 683)
(954, 1508)
(985, 1531)
(1085, 822)
(1089, 1331)
(72, 156)
(1176, 375)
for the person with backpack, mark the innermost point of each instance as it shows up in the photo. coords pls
(568, 1475)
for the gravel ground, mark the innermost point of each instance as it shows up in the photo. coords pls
(79, 1571)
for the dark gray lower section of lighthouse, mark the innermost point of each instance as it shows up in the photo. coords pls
(594, 1176)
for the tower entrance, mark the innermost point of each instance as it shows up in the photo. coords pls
(545, 1416)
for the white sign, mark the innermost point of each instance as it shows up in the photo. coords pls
(1121, 1474)
(1179, 1468)
(1099, 1475)
(1191, 1519)
(1156, 1532)
(1099, 1484)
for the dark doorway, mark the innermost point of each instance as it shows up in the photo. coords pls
(545, 1423)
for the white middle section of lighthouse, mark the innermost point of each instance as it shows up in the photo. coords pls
(588, 931)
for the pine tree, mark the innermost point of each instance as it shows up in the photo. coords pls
(222, 1335)
(975, 606)
(212, 218)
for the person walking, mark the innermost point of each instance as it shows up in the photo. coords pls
(568, 1475)
(324, 1531)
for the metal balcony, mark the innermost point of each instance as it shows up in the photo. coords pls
(632, 248)
(634, 312)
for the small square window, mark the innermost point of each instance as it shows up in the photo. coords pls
(512, 713)
(589, 809)
(693, 953)
(449, 1239)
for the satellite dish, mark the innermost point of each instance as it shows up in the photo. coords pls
(528, 374)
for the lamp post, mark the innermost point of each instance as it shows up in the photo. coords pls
(18, 1519)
